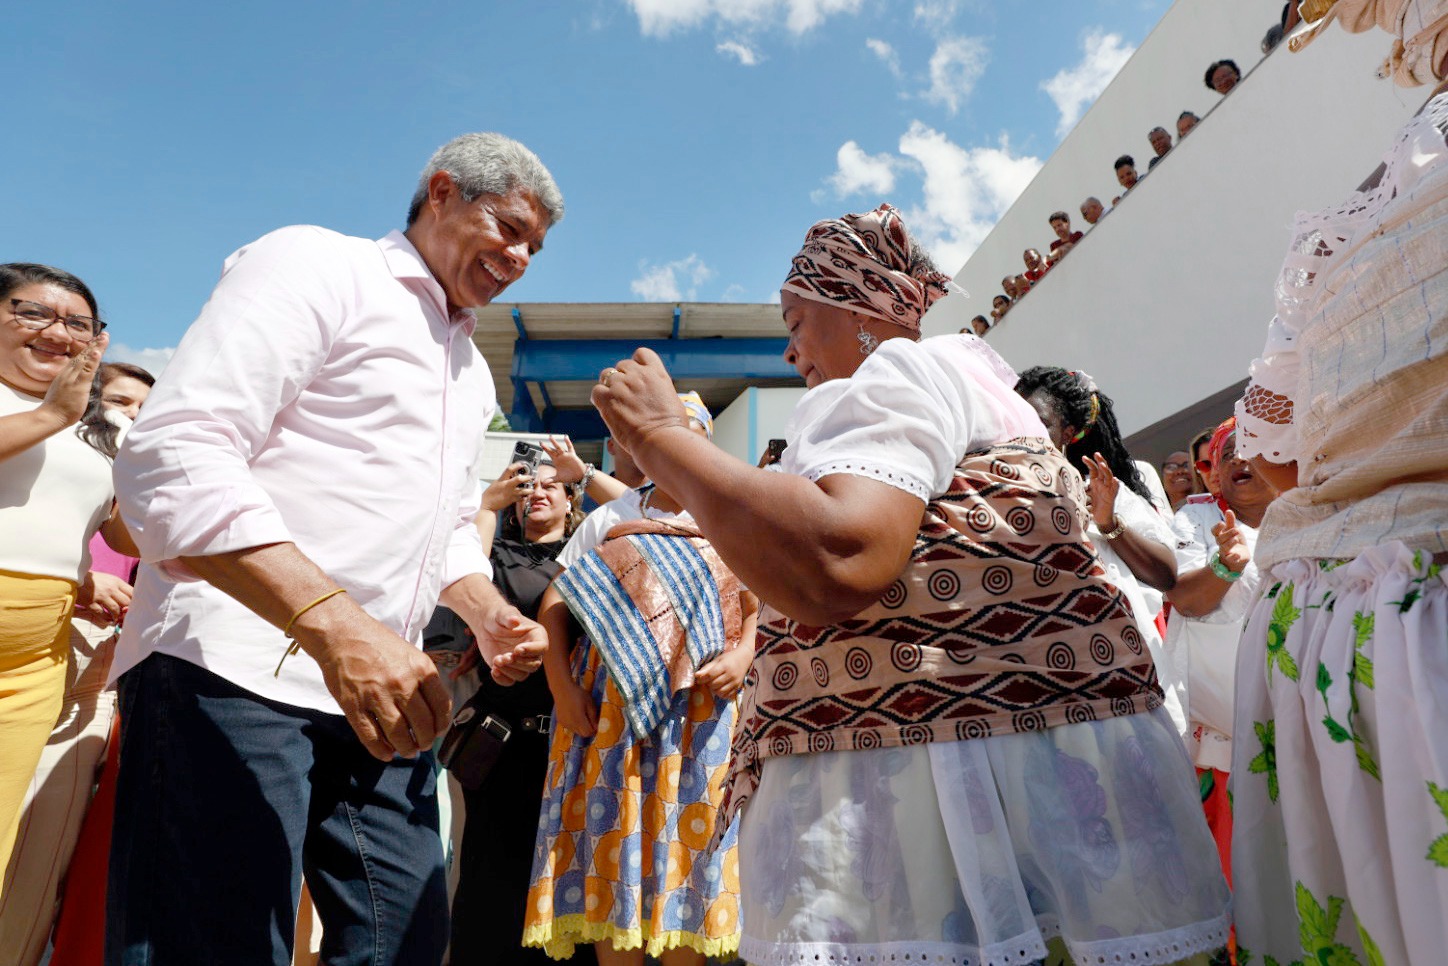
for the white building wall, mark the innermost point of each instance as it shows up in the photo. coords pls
(747, 424)
(1166, 301)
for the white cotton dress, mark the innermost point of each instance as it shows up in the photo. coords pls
(969, 852)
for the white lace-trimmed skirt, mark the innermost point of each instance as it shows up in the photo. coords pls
(1340, 764)
(976, 853)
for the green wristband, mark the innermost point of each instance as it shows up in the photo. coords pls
(1220, 569)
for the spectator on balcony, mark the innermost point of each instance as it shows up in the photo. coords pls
(980, 325)
(1016, 286)
(1223, 75)
(1093, 210)
(1125, 174)
(1000, 305)
(1186, 120)
(1066, 239)
(1036, 266)
(1160, 143)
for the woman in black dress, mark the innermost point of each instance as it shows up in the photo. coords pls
(496, 857)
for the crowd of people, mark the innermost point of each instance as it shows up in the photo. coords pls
(1221, 77)
(953, 679)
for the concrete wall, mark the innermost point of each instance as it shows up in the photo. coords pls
(1166, 301)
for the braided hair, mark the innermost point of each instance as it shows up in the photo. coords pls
(1078, 403)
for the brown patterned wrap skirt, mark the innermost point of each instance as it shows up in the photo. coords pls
(1003, 621)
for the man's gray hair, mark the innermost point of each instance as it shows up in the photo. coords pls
(489, 163)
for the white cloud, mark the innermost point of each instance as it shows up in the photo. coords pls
(659, 18)
(1102, 55)
(661, 283)
(886, 53)
(955, 66)
(936, 14)
(740, 52)
(152, 360)
(965, 191)
(859, 173)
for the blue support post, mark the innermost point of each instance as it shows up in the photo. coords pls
(678, 317)
(524, 417)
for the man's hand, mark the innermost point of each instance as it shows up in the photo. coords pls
(103, 599)
(1231, 544)
(390, 691)
(512, 645)
(636, 398)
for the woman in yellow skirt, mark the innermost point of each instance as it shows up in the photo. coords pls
(55, 491)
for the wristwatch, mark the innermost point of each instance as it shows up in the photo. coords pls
(1118, 530)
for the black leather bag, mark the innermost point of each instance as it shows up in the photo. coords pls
(473, 743)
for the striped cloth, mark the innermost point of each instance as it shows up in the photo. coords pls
(658, 603)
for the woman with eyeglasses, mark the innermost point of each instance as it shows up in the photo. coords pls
(55, 492)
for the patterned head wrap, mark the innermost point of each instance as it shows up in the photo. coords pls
(1419, 28)
(694, 405)
(862, 263)
(1219, 440)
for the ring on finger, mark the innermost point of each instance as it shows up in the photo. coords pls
(606, 375)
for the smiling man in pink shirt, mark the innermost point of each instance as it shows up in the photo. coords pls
(302, 485)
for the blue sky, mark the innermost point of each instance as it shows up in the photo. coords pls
(694, 140)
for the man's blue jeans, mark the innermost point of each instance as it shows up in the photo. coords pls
(225, 798)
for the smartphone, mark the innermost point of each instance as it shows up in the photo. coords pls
(527, 454)
(775, 449)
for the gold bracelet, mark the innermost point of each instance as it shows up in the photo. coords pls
(295, 645)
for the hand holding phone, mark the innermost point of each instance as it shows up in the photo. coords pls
(530, 456)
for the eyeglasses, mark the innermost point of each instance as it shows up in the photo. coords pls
(38, 318)
(1169, 467)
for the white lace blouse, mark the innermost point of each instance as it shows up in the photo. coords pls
(1353, 381)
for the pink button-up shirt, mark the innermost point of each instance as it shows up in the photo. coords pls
(324, 397)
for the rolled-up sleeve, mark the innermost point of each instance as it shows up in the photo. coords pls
(465, 552)
(183, 479)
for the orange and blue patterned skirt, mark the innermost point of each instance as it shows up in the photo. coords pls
(622, 851)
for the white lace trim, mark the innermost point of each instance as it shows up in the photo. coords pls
(874, 471)
(1151, 949)
(1154, 949)
(1030, 949)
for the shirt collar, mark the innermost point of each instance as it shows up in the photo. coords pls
(404, 261)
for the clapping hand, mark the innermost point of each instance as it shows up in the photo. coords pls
(69, 393)
(1101, 489)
